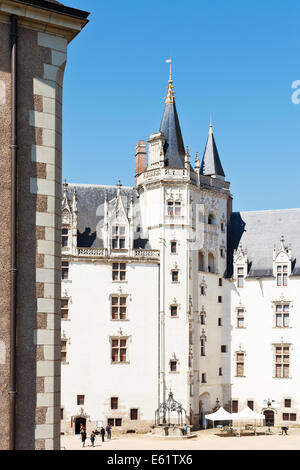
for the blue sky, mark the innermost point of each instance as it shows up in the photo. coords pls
(236, 60)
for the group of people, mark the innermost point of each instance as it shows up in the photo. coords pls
(83, 434)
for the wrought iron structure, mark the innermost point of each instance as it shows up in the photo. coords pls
(166, 408)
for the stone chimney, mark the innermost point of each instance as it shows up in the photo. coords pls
(229, 208)
(140, 157)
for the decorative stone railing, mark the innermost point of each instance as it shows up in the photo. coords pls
(164, 174)
(103, 252)
(92, 252)
(139, 253)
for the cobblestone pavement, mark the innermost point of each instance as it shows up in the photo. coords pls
(205, 440)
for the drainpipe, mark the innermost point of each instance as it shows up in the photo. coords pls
(13, 268)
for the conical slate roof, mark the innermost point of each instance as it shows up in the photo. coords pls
(211, 163)
(174, 148)
(170, 127)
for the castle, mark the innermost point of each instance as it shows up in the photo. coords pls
(165, 288)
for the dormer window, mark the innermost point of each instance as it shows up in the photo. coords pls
(118, 237)
(64, 237)
(240, 277)
(282, 274)
(174, 208)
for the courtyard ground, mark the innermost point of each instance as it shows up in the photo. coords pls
(205, 440)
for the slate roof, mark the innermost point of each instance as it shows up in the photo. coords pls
(259, 231)
(211, 163)
(174, 147)
(90, 204)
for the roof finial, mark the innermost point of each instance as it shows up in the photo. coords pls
(170, 98)
(210, 125)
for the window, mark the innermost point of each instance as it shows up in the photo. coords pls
(200, 261)
(80, 399)
(222, 227)
(211, 219)
(61, 413)
(220, 371)
(118, 237)
(211, 263)
(114, 402)
(202, 290)
(250, 404)
(220, 282)
(240, 318)
(64, 309)
(133, 414)
(289, 416)
(234, 406)
(174, 208)
(282, 316)
(219, 321)
(64, 237)
(240, 277)
(173, 366)
(223, 348)
(114, 422)
(282, 271)
(64, 270)
(219, 299)
(174, 309)
(202, 346)
(173, 247)
(174, 276)
(202, 318)
(118, 350)
(119, 271)
(203, 378)
(240, 359)
(63, 350)
(287, 403)
(118, 308)
(282, 361)
(222, 252)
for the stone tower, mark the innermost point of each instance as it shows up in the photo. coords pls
(185, 213)
(34, 37)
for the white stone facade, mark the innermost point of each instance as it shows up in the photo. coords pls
(191, 325)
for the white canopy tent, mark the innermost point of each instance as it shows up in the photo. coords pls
(245, 415)
(220, 415)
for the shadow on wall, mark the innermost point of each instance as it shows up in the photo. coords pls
(86, 239)
(235, 230)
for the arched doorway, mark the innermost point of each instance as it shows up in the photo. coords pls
(269, 417)
(204, 408)
(78, 422)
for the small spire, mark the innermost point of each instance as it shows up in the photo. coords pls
(197, 163)
(65, 185)
(170, 98)
(119, 186)
(210, 126)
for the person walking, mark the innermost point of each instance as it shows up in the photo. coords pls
(284, 430)
(92, 438)
(185, 429)
(83, 437)
(102, 432)
(108, 430)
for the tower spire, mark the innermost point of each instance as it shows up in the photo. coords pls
(174, 151)
(211, 163)
(170, 98)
